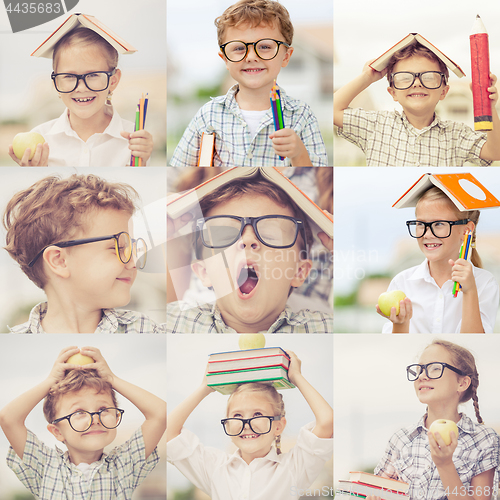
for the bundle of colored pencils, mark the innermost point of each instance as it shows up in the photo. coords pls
(140, 122)
(465, 253)
(275, 98)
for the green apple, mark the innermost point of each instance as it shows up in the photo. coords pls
(80, 359)
(390, 299)
(252, 341)
(443, 427)
(26, 140)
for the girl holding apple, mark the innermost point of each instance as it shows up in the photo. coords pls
(444, 377)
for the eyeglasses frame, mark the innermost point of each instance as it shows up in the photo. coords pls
(82, 77)
(84, 241)
(417, 75)
(91, 413)
(461, 222)
(424, 367)
(248, 421)
(279, 42)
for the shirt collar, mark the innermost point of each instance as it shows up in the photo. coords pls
(436, 122)
(272, 456)
(465, 424)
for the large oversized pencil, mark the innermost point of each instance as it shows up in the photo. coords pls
(275, 98)
(480, 63)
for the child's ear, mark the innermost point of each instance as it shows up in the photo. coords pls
(223, 57)
(288, 54)
(115, 80)
(280, 426)
(55, 259)
(445, 90)
(54, 430)
(393, 94)
(464, 384)
(302, 272)
(200, 270)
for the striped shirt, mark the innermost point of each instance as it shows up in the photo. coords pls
(112, 321)
(388, 139)
(235, 146)
(49, 474)
(208, 319)
(408, 458)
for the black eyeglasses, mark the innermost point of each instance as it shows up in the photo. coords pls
(124, 247)
(258, 425)
(439, 228)
(266, 49)
(432, 370)
(275, 231)
(402, 80)
(81, 420)
(97, 81)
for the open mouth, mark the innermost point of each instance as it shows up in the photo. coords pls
(249, 436)
(247, 281)
(252, 70)
(426, 388)
(83, 100)
(432, 246)
(419, 94)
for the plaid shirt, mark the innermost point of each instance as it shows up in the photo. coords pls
(50, 475)
(388, 139)
(234, 145)
(112, 321)
(208, 319)
(408, 458)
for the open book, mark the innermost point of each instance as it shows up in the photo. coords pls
(76, 20)
(381, 62)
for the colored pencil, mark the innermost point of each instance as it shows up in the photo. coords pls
(140, 124)
(141, 120)
(277, 110)
(463, 254)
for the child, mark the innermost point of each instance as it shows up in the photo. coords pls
(430, 306)
(72, 238)
(89, 133)
(255, 273)
(445, 377)
(82, 412)
(418, 81)
(272, 475)
(242, 120)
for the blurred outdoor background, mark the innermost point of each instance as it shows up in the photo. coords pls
(364, 30)
(26, 360)
(18, 294)
(196, 72)
(373, 398)
(187, 357)
(372, 244)
(27, 94)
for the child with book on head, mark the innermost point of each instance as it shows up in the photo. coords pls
(444, 377)
(73, 238)
(255, 40)
(430, 305)
(417, 137)
(251, 247)
(82, 412)
(89, 133)
(255, 419)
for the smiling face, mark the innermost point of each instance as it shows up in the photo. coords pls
(251, 300)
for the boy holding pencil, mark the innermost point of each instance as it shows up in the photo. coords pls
(255, 38)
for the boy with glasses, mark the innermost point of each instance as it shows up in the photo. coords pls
(417, 137)
(72, 238)
(82, 412)
(255, 38)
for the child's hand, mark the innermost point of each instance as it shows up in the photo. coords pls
(461, 271)
(140, 144)
(205, 381)
(405, 312)
(40, 159)
(325, 239)
(372, 497)
(493, 90)
(60, 366)
(287, 143)
(371, 74)
(294, 367)
(100, 363)
(441, 454)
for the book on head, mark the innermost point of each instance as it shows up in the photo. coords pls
(246, 359)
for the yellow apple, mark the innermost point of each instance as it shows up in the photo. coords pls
(443, 427)
(26, 140)
(390, 299)
(80, 359)
(252, 341)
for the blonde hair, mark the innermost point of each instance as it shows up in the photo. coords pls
(435, 194)
(274, 397)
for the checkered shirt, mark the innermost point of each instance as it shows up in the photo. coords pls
(49, 474)
(408, 458)
(208, 319)
(234, 146)
(388, 139)
(112, 321)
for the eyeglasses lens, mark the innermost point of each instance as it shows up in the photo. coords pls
(259, 425)
(82, 420)
(434, 370)
(429, 79)
(265, 49)
(441, 229)
(95, 81)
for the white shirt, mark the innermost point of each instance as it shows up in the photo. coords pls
(66, 149)
(253, 119)
(435, 310)
(229, 477)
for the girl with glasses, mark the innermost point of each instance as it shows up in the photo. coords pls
(430, 305)
(465, 468)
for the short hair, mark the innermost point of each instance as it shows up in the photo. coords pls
(74, 381)
(255, 13)
(86, 36)
(418, 50)
(53, 210)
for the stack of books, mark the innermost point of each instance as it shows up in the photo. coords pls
(362, 484)
(228, 369)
